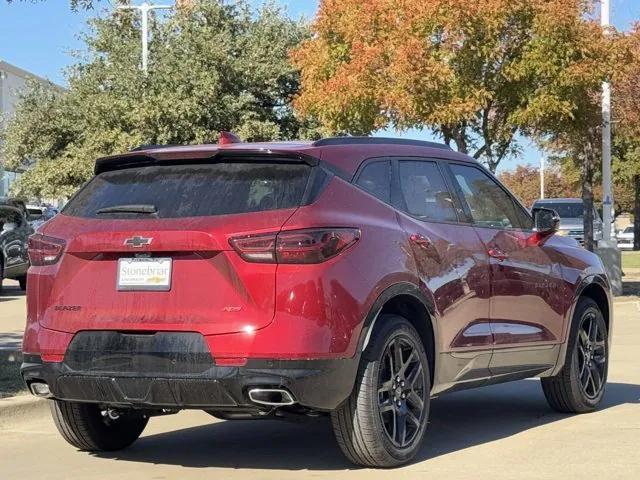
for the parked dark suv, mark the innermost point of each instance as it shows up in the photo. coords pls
(354, 277)
(14, 235)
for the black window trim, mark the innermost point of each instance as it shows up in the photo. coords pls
(397, 202)
(467, 210)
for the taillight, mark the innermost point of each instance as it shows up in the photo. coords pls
(295, 246)
(44, 250)
(257, 248)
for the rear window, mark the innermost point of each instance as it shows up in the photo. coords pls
(193, 190)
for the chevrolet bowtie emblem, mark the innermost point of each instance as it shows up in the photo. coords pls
(137, 242)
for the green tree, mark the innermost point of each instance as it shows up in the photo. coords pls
(626, 110)
(214, 66)
(479, 73)
(577, 143)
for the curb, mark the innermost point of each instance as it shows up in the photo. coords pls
(20, 407)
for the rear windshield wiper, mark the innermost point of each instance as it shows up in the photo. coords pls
(138, 208)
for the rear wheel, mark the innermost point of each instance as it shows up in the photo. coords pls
(89, 427)
(580, 385)
(383, 422)
(23, 282)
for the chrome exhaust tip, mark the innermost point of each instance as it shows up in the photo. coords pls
(40, 389)
(273, 397)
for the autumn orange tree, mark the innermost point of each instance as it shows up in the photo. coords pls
(478, 73)
(524, 183)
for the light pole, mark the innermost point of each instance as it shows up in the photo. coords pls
(144, 9)
(608, 249)
(542, 178)
(607, 194)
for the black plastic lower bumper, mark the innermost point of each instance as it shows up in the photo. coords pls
(315, 384)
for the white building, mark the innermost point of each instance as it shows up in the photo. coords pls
(13, 81)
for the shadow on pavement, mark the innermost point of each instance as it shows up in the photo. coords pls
(10, 340)
(458, 421)
(11, 292)
(631, 287)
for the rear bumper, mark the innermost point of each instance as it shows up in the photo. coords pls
(316, 384)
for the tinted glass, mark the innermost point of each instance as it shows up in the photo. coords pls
(194, 190)
(35, 213)
(9, 216)
(424, 191)
(376, 179)
(490, 205)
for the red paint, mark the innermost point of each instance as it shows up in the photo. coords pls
(227, 138)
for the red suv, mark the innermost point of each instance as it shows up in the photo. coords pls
(354, 277)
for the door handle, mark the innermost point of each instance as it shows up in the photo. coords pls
(420, 240)
(498, 254)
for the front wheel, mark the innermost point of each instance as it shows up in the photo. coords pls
(383, 422)
(89, 427)
(579, 386)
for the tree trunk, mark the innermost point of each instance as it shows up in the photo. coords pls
(636, 214)
(587, 199)
(460, 139)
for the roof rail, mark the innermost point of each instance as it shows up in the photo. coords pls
(377, 141)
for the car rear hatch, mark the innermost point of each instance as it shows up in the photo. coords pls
(147, 248)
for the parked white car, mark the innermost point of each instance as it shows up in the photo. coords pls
(625, 238)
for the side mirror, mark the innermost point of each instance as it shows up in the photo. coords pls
(546, 221)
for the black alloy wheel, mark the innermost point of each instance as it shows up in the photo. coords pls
(592, 356)
(384, 421)
(401, 392)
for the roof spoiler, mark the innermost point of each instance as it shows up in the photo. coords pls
(134, 159)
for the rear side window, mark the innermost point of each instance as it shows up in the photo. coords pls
(424, 191)
(194, 190)
(376, 180)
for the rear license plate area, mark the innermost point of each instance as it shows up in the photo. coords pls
(144, 273)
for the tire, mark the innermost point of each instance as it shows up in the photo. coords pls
(23, 282)
(363, 424)
(84, 426)
(587, 358)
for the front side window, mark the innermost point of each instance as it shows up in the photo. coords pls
(489, 204)
(424, 191)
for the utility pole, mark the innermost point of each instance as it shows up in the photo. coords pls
(144, 9)
(542, 177)
(607, 249)
(607, 194)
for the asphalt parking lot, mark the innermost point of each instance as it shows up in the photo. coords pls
(500, 432)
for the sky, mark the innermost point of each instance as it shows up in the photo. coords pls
(40, 36)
